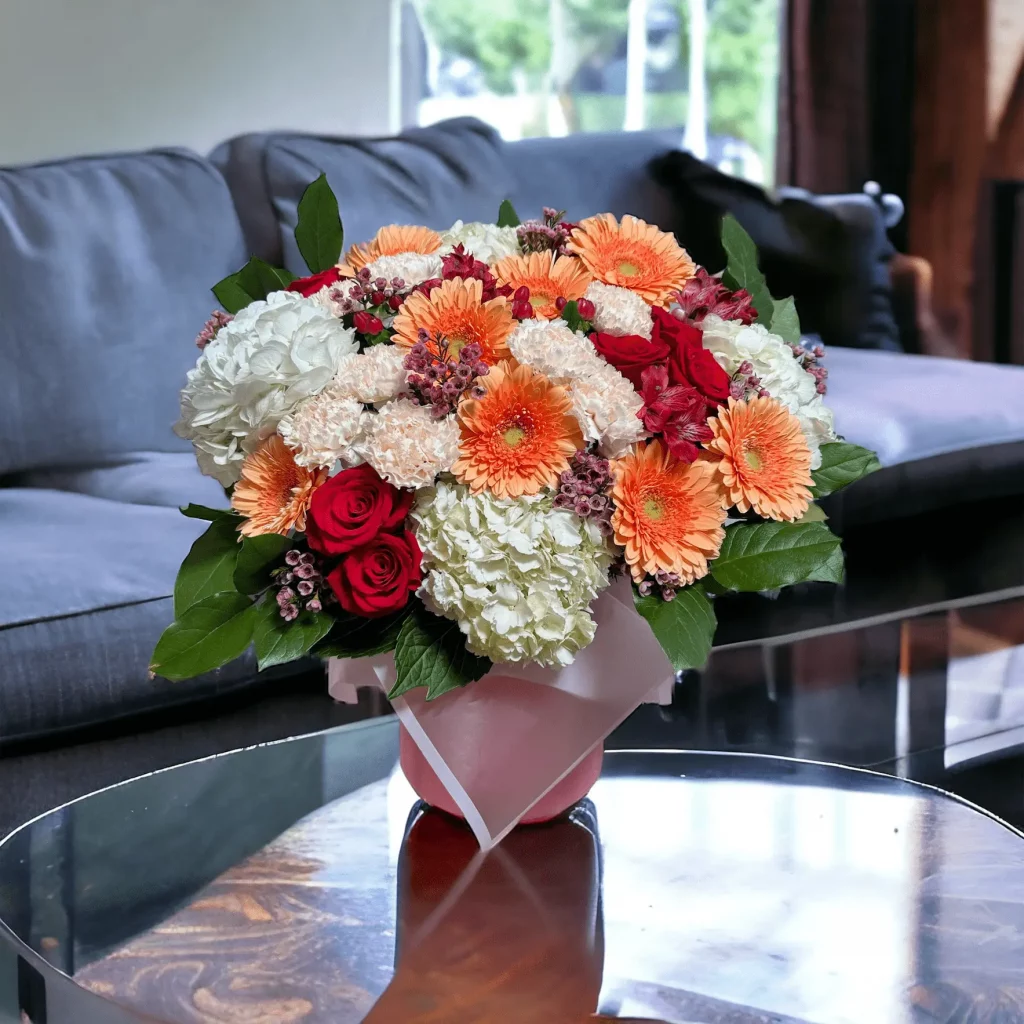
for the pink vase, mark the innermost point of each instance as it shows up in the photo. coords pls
(563, 795)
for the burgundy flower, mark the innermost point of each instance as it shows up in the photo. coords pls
(704, 295)
(678, 413)
(459, 263)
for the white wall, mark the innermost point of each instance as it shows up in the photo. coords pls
(90, 76)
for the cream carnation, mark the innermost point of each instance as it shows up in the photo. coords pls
(619, 311)
(516, 574)
(779, 371)
(275, 353)
(412, 267)
(607, 407)
(324, 429)
(487, 242)
(375, 376)
(551, 348)
(408, 447)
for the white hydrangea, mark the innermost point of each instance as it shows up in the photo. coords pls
(408, 447)
(375, 376)
(780, 373)
(607, 407)
(620, 311)
(551, 348)
(275, 353)
(324, 429)
(487, 242)
(412, 267)
(516, 574)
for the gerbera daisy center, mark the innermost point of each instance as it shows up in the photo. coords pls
(628, 269)
(752, 457)
(516, 431)
(654, 508)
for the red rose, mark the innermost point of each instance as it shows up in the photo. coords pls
(630, 355)
(352, 508)
(690, 364)
(367, 323)
(378, 578)
(315, 282)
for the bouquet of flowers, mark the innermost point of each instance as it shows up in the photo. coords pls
(441, 448)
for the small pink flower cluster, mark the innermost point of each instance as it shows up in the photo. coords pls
(218, 319)
(808, 359)
(745, 384)
(582, 489)
(361, 292)
(548, 235)
(301, 585)
(667, 582)
(704, 295)
(440, 381)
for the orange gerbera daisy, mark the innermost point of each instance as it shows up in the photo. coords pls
(274, 492)
(669, 515)
(546, 278)
(455, 311)
(519, 437)
(390, 241)
(632, 254)
(765, 460)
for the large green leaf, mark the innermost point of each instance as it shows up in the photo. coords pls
(431, 652)
(256, 280)
(742, 270)
(766, 556)
(786, 321)
(209, 634)
(319, 233)
(279, 642)
(209, 567)
(231, 295)
(354, 637)
(507, 216)
(256, 557)
(685, 626)
(842, 464)
(211, 515)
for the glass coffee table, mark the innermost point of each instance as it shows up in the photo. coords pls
(301, 883)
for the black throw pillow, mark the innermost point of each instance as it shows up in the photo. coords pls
(830, 252)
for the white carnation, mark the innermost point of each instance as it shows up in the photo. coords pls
(487, 242)
(375, 376)
(325, 428)
(620, 311)
(607, 407)
(275, 353)
(781, 374)
(408, 447)
(516, 574)
(412, 267)
(551, 348)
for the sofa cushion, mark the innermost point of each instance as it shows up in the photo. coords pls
(93, 595)
(457, 169)
(831, 252)
(107, 268)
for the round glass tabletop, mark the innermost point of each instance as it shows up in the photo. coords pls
(300, 882)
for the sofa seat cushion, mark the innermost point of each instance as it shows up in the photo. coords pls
(107, 268)
(94, 579)
(946, 431)
(169, 479)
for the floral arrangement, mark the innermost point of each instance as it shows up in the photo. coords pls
(447, 445)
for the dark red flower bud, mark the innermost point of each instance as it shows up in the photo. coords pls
(586, 308)
(395, 301)
(560, 303)
(367, 323)
(378, 298)
(522, 294)
(522, 310)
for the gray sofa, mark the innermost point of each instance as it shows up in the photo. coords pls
(107, 265)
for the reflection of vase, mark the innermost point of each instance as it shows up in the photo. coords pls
(563, 795)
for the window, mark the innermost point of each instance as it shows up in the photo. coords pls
(551, 67)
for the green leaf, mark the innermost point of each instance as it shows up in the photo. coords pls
(209, 567)
(507, 216)
(231, 295)
(685, 626)
(742, 270)
(256, 280)
(572, 318)
(786, 321)
(766, 556)
(319, 232)
(814, 514)
(279, 642)
(431, 652)
(256, 557)
(211, 515)
(354, 637)
(842, 464)
(209, 634)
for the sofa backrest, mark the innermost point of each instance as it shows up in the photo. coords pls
(107, 264)
(458, 169)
